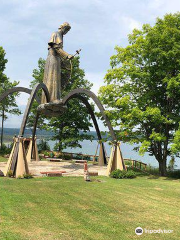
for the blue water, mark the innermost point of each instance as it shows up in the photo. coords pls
(89, 147)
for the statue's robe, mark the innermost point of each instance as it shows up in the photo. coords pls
(55, 62)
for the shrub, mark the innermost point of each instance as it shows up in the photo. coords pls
(51, 154)
(88, 158)
(77, 157)
(19, 177)
(130, 174)
(60, 155)
(138, 171)
(48, 154)
(64, 156)
(122, 174)
(6, 149)
(10, 173)
(152, 170)
(27, 175)
(67, 157)
(172, 164)
(128, 163)
(174, 174)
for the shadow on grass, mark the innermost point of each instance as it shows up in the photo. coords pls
(153, 177)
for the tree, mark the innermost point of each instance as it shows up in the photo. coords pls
(71, 127)
(142, 89)
(8, 105)
(37, 78)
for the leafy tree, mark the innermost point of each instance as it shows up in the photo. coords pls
(71, 127)
(8, 105)
(37, 78)
(142, 89)
(43, 145)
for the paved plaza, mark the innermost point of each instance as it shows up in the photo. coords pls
(72, 169)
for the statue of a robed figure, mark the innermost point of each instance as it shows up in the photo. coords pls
(54, 78)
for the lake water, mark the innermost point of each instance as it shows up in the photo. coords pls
(89, 147)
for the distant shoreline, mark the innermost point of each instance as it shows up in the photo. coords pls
(9, 133)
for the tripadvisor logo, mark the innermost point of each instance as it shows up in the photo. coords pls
(139, 231)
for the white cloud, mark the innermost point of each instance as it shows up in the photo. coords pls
(97, 79)
(130, 23)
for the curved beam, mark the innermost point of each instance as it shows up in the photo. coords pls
(98, 103)
(16, 89)
(34, 91)
(34, 132)
(30, 101)
(91, 112)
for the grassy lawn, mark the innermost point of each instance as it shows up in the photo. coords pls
(3, 159)
(70, 208)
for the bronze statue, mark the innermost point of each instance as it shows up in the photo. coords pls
(57, 60)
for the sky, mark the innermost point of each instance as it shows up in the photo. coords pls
(97, 26)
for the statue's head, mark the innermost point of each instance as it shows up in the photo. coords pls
(65, 27)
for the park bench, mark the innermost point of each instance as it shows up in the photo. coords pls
(53, 173)
(54, 159)
(79, 161)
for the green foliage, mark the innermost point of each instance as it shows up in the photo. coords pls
(51, 154)
(10, 173)
(174, 174)
(77, 157)
(66, 157)
(123, 174)
(19, 177)
(27, 175)
(172, 164)
(128, 163)
(152, 170)
(86, 158)
(5, 149)
(43, 145)
(142, 89)
(37, 75)
(8, 105)
(59, 155)
(47, 153)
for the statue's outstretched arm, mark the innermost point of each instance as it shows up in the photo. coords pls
(64, 55)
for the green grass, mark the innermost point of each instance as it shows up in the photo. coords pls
(104, 209)
(3, 159)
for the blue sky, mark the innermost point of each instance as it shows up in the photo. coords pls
(97, 26)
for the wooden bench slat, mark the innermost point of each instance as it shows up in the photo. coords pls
(53, 172)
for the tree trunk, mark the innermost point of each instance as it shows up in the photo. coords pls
(2, 128)
(162, 167)
(59, 146)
